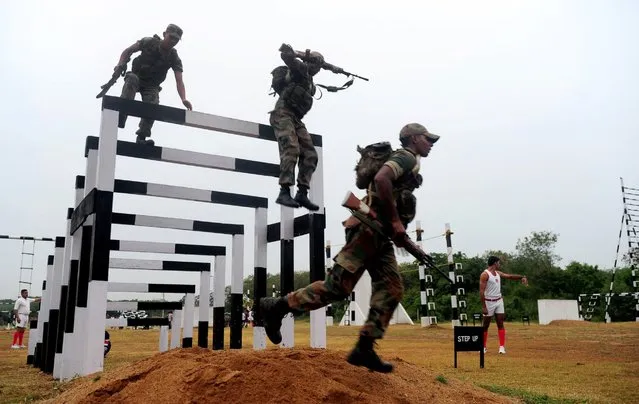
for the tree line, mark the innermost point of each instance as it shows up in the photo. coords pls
(534, 256)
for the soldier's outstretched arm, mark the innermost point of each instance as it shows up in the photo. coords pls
(179, 82)
(125, 56)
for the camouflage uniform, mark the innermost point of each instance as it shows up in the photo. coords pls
(148, 71)
(295, 143)
(366, 250)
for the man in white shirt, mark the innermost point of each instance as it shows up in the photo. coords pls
(491, 299)
(21, 311)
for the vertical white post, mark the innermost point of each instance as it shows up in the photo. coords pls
(219, 298)
(237, 280)
(164, 338)
(287, 241)
(189, 308)
(260, 273)
(318, 316)
(99, 276)
(204, 310)
(176, 326)
(43, 314)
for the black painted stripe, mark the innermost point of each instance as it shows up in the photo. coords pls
(187, 342)
(49, 352)
(186, 266)
(221, 228)
(422, 285)
(69, 213)
(236, 321)
(287, 266)
(50, 260)
(101, 237)
(71, 301)
(203, 334)
(126, 149)
(44, 285)
(145, 110)
(150, 321)
(29, 359)
(159, 306)
(130, 187)
(193, 249)
(257, 167)
(114, 245)
(248, 201)
(83, 269)
(329, 311)
(316, 226)
(123, 218)
(85, 208)
(170, 288)
(79, 182)
(301, 227)
(64, 294)
(33, 324)
(259, 291)
(218, 328)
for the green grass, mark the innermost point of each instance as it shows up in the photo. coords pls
(528, 397)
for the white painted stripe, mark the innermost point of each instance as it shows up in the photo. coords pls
(261, 222)
(126, 263)
(218, 281)
(192, 158)
(316, 192)
(189, 309)
(221, 124)
(287, 217)
(156, 221)
(107, 150)
(205, 291)
(237, 264)
(147, 246)
(122, 306)
(128, 287)
(176, 192)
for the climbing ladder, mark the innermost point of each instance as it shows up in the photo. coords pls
(26, 260)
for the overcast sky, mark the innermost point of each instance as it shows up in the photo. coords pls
(535, 102)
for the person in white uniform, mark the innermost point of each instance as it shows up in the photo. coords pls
(492, 301)
(21, 310)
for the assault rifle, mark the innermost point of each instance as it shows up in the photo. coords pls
(119, 71)
(368, 216)
(306, 57)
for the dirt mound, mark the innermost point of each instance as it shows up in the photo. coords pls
(198, 375)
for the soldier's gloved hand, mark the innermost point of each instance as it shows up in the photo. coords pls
(286, 48)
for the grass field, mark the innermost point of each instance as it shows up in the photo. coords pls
(563, 362)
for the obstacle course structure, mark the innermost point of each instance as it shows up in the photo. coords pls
(76, 301)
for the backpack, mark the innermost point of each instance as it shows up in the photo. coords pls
(372, 158)
(279, 79)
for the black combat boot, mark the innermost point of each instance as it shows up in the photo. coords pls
(143, 140)
(121, 120)
(285, 199)
(273, 309)
(364, 355)
(302, 198)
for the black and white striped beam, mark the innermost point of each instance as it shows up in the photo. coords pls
(142, 305)
(259, 276)
(189, 158)
(186, 193)
(4, 236)
(150, 287)
(219, 301)
(159, 265)
(43, 316)
(141, 322)
(194, 119)
(423, 308)
(129, 219)
(166, 248)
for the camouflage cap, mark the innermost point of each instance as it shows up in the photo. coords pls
(417, 129)
(174, 31)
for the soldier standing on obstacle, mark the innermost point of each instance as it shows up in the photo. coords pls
(148, 71)
(294, 85)
(491, 299)
(390, 194)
